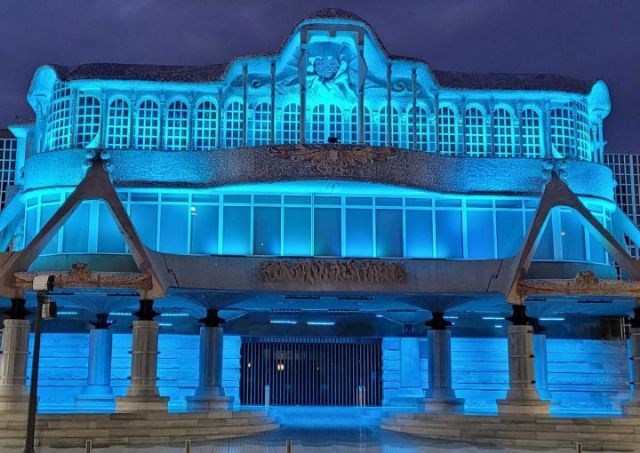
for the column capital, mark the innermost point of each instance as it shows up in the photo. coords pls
(437, 321)
(212, 319)
(102, 321)
(146, 311)
(18, 309)
(519, 316)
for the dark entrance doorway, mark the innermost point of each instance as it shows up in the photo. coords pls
(311, 371)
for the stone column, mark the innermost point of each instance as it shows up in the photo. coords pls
(98, 390)
(540, 361)
(210, 393)
(440, 396)
(143, 394)
(632, 407)
(522, 397)
(13, 363)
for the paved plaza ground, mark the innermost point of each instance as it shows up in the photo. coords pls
(317, 429)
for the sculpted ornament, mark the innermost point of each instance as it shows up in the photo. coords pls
(328, 160)
(331, 271)
(81, 276)
(585, 283)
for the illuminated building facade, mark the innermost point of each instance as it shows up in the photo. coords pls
(337, 197)
(626, 171)
(8, 148)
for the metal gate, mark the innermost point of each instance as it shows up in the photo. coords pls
(311, 371)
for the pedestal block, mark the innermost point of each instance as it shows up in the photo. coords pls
(210, 393)
(143, 394)
(13, 366)
(523, 396)
(632, 407)
(98, 391)
(440, 396)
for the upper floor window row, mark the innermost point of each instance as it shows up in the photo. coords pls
(177, 125)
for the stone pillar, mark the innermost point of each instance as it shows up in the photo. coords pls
(143, 394)
(540, 362)
(13, 363)
(98, 390)
(522, 397)
(632, 407)
(210, 393)
(440, 396)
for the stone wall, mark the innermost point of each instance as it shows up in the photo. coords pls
(584, 375)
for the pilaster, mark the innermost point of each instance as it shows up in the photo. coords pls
(13, 363)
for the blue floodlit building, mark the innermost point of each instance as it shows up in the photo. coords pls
(327, 199)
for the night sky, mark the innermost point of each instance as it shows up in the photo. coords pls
(586, 39)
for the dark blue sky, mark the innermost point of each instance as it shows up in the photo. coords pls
(582, 38)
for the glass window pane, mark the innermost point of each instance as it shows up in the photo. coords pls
(419, 234)
(31, 227)
(46, 213)
(389, 233)
(266, 231)
(544, 248)
(297, 231)
(359, 230)
(76, 230)
(573, 239)
(327, 241)
(204, 229)
(236, 230)
(145, 220)
(509, 232)
(110, 238)
(173, 228)
(448, 234)
(480, 234)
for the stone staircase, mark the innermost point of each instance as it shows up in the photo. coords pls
(140, 429)
(523, 431)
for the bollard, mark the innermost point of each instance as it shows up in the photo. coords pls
(187, 446)
(267, 395)
(578, 447)
(289, 447)
(88, 446)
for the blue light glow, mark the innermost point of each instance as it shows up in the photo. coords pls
(283, 321)
(321, 323)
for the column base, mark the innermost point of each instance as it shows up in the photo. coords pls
(95, 398)
(442, 405)
(207, 403)
(631, 408)
(142, 403)
(523, 407)
(14, 403)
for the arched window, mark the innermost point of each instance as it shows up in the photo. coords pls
(205, 126)
(335, 124)
(531, 133)
(290, 124)
(389, 136)
(87, 120)
(118, 124)
(58, 134)
(368, 126)
(447, 130)
(148, 125)
(233, 122)
(317, 124)
(419, 130)
(503, 133)
(261, 124)
(562, 132)
(583, 132)
(475, 132)
(353, 136)
(177, 126)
